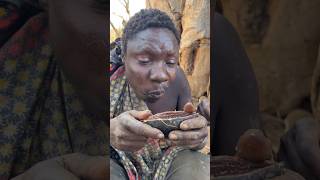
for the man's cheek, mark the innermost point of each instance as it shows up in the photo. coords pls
(172, 74)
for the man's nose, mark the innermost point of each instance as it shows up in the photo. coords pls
(159, 73)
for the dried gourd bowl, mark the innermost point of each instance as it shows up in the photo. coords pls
(169, 121)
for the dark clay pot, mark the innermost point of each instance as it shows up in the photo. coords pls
(169, 121)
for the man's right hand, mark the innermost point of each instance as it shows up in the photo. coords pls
(127, 133)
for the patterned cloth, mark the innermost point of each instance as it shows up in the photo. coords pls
(40, 115)
(151, 162)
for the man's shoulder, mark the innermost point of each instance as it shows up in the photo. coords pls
(180, 81)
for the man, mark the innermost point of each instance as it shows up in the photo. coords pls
(150, 79)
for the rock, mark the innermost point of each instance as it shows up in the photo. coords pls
(273, 127)
(282, 40)
(254, 146)
(294, 116)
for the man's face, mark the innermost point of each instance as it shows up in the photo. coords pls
(151, 62)
(78, 35)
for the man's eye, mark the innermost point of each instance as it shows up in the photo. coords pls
(172, 62)
(144, 62)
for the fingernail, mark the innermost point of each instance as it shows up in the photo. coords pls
(160, 136)
(184, 126)
(173, 137)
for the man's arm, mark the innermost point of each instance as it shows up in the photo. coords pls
(235, 90)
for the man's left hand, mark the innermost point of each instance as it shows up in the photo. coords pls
(193, 133)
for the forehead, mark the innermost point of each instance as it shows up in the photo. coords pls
(155, 38)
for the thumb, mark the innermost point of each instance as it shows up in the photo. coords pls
(140, 115)
(189, 108)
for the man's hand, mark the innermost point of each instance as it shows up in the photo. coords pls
(300, 148)
(193, 133)
(127, 133)
(69, 167)
(204, 108)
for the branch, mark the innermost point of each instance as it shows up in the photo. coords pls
(115, 29)
(124, 21)
(125, 4)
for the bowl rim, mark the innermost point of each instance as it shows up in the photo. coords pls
(189, 116)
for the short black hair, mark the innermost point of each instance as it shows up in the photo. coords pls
(144, 19)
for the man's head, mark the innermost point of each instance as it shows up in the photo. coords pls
(150, 47)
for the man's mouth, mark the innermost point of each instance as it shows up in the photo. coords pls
(156, 94)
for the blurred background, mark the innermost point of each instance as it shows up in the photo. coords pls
(120, 12)
(282, 39)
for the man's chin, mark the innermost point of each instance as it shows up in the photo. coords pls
(153, 98)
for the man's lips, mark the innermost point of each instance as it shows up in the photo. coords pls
(156, 93)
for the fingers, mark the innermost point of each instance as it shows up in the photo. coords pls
(134, 138)
(189, 139)
(204, 108)
(189, 108)
(190, 144)
(195, 123)
(142, 129)
(140, 115)
(189, 135)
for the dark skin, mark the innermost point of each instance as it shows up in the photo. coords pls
(235, 90)
(152, 71)
(151, 65)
